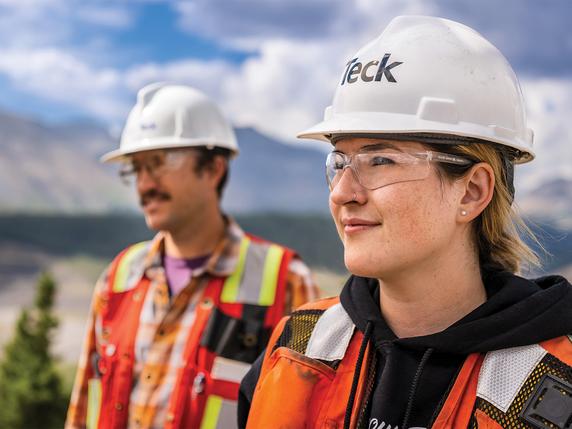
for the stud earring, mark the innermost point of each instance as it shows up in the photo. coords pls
(463, 213)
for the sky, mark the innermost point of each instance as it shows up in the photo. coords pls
(270, 64)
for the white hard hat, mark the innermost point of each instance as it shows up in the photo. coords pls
(429, 76)
(173, 116)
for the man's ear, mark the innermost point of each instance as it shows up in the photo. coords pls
(217, 168)
(479, 185)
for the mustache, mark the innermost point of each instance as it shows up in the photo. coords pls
(153, 194)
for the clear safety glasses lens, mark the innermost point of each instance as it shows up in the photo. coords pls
(375, 170)
(155, 165)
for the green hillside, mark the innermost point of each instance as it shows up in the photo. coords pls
(313, 236)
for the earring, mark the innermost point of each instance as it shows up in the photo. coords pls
(463, 213)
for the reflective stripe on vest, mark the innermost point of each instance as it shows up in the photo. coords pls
(219, 413)
(504, 372)
(255, 278)
(93, 403)
(331, 335)
(130, 268)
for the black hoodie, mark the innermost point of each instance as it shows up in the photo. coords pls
(413, 375)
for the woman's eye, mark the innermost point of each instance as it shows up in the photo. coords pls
(380, 160)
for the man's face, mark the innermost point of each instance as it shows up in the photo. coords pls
(171, 191)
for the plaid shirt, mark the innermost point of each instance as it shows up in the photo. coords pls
(164, 326)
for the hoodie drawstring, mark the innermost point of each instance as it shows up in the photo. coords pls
(414, 385)
(355, 381)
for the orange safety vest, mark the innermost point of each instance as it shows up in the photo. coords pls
(206, 389)
(310, 389)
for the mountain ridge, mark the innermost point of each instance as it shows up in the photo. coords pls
(55, 168)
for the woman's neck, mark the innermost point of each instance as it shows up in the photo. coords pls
(434, 295)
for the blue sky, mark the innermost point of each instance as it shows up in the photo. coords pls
(271, 64)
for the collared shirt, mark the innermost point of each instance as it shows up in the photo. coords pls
(164, 325)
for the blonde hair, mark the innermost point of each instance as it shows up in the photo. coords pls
(499, 229)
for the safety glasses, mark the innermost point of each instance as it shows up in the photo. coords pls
(156, 164)
(381, 168)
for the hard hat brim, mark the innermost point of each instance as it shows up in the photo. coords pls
(380, 123)
(119, 155)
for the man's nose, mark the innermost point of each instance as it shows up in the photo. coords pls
(145, 179)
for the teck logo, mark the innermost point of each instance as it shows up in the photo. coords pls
(355, 70)
(148, 126)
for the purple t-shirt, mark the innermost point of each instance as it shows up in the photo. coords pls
(179, 271)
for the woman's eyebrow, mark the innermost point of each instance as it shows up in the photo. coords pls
(378, 146)
(373, 147)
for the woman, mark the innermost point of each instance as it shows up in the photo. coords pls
(433, 328)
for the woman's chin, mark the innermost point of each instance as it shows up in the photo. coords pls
(361, 266)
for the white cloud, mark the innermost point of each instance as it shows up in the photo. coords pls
(300, 47)
(549, 107)
(285, 89)
(208, 76)
(25, 4)
(534, 35)
(251, 23)
(59, 76)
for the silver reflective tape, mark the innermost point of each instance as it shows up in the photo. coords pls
(504, 372)
(331, 335)
(229, 370)
(227, 416)
(251, 281)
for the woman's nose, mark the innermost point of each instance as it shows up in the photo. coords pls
(347, 188)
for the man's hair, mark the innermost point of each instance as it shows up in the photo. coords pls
(205, 160)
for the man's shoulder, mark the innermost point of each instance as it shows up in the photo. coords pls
(133, 249)
(126, 266)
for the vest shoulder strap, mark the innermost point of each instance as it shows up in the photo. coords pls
(320, 330)
(504, 372)
(128, 267)
(331, 336)
(257, 273)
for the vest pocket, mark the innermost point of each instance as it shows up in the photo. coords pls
(297, 384)
(303, 361)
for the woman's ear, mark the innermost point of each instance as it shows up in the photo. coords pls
(479, 185)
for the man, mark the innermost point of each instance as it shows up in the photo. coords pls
(176, 322)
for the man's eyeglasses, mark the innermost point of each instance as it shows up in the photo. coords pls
(156, 164)
(377, 169)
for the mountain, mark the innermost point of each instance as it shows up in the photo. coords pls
(56, 168)
(272, 176)
(550, 201)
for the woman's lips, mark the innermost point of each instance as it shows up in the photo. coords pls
(353, 225)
